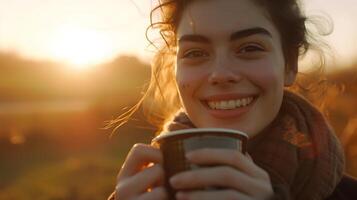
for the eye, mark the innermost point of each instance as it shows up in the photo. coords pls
(195, 53)
(250, 48)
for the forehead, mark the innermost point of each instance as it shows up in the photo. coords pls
(222, 17)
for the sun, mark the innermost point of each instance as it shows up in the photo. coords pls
(80, 47)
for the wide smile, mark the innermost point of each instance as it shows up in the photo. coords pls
(230, 104)
(229, 107)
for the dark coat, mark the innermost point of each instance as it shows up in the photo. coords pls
(345, 190)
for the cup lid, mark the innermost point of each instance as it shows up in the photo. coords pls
(197, 130)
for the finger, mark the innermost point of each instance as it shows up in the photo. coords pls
(221, 176)
(158, 193)
(140, 182)
(212, 194)
(234, 158)
(139, 156)
(249, 157)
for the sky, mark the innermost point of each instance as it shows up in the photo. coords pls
(86, 32)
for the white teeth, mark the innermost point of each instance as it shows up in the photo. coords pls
(230, 104)
(212, 104)
(238, 103)
(244, 102)
(223, 105)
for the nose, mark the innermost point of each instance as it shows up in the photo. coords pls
(224, 74)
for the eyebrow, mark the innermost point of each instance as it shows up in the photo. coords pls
(234, 36)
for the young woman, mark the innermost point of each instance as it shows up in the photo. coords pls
(228, 64)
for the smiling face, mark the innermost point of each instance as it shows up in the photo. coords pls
(230, 69)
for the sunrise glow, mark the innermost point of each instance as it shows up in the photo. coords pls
(80, 47)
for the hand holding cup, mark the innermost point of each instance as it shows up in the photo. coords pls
(210, 163)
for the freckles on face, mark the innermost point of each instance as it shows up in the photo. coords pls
(183, 82)
(189, 79)
(184, 86)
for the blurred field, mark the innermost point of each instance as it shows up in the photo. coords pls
(52, 141)
(52, 145)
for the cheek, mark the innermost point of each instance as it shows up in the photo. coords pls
(183, 82)
(183, 86)
(266, 74)
(189, 80)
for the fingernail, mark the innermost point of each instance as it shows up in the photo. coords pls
(181, 196)
(173, 181)
(248, 156)
(189, 155)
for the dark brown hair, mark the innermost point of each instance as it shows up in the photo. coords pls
(161, 101)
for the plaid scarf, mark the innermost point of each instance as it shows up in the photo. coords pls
(298, 149)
